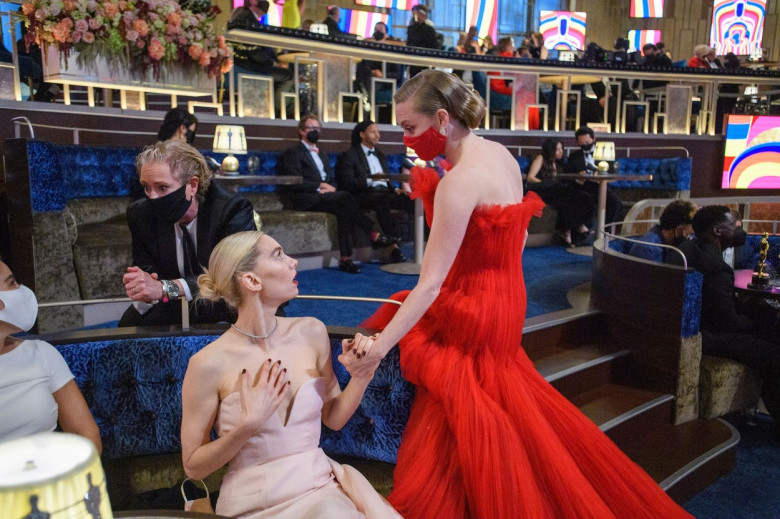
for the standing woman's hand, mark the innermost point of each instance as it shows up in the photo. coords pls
(260, 401)
(355, 358)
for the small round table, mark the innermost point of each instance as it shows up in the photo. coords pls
(743, 277)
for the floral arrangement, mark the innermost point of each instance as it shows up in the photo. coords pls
(132, 33)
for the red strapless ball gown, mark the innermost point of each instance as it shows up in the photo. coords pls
(488, 437)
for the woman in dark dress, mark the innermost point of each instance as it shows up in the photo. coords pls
(575, 207)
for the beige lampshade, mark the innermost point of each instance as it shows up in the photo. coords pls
(229, 139)
(52, 473)
(604, 151)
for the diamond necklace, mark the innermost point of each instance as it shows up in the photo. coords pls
(242, 332)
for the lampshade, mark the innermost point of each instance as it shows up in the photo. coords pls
(231, 140)
(55, 475)
(604, 151)
(751, 90)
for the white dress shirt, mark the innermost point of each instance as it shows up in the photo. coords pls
(374, 166)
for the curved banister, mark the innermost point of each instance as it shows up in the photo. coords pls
(612, 235)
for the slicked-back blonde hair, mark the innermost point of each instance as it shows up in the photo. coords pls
(233, 256)
(184, 160)
(431, 90)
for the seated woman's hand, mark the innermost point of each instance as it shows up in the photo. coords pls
(355, 358)
(261, 400)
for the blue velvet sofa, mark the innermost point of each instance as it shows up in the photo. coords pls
(132, 385)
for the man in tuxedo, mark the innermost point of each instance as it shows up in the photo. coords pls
(581, 161)
(318, 192)
(174, 229)
(420, 33)
(354, 171)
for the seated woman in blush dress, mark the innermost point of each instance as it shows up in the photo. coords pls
(575, 207)
(37, 390)
(266, 386)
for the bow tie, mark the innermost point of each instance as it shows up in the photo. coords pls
(315, 149)
(371, 152)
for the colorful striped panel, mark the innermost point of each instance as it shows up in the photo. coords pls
(752, 152)
(638, 39)
(647, 9)
(737, 26)
(563, 30)
(406, 5)
(484, 15)
(361, 22)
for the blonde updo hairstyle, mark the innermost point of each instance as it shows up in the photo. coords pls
(431, 90)
(233, 256)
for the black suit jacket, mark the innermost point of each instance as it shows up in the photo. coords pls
(298, 161)
(576, 162)
(422, 35)
(352, 169)
(220, 214)
(718, 303)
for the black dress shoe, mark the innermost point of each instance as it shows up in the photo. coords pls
(348, 265)
(383, 241)
(396, 256)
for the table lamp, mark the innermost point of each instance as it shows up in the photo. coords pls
(52, 475)
(231, 140)
(604, 156)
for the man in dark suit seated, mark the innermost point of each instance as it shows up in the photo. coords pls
(174, 230)
(749, 336)
(318, 192)
(354, 170)
(581, 161)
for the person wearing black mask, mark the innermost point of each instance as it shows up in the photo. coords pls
(673, 228)
(318, 192)
(174, 228)
(178, 125)
(581, 161)
(747, 335)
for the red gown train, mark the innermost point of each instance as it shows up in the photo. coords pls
(488, 437)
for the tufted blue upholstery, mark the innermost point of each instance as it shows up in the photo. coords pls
(133, 388)
(672, 174)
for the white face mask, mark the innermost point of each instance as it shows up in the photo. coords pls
(21, 307)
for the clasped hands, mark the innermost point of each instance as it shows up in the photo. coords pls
(356, 356)
(142, 286)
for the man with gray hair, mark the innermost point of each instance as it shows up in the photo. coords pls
(174, 228)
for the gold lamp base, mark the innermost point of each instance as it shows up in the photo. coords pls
(230, 165)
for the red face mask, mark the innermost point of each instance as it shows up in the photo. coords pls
(428, 145)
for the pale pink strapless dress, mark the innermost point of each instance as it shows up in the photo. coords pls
(282, 472)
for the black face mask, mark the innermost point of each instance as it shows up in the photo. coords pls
(588, 147)
(378, 35)
(171, 207)
(739, 237)
(189, 136)
(313, 136)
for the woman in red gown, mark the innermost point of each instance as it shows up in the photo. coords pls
(487, 437)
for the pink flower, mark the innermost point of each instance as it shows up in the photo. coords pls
(67, 22)
(227, 65)
(27, 9)
(88, 37)
(94, 24)
(195, 51)
(221, 41)
(173, 19)
(172, 29)
(122, 4)
(140, 44)
(156, 49)
(204, 60)
(91, 6)
(131, 35)
(110, 9)
(69, 5)
(82, 25)
(76, 36)
(128, 16)
(61, 32)
(183, 40)
(141, 27)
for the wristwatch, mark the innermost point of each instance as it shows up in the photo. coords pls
(170, 290)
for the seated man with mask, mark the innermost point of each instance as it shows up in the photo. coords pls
(174, 229)
(728, 330)
(673, 228)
